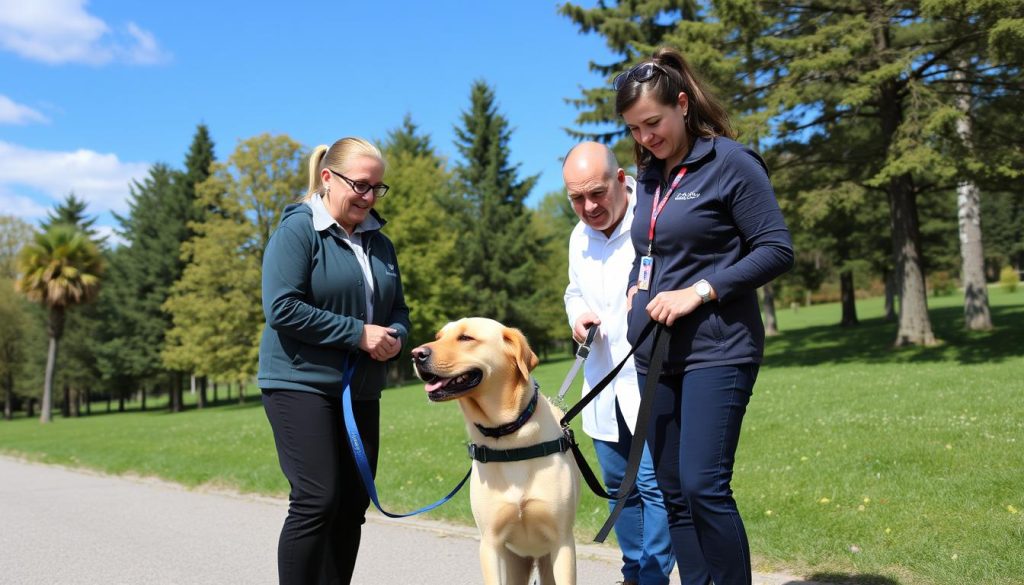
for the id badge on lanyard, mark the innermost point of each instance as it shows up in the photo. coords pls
(643, 281)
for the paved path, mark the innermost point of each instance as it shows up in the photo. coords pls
(71, 527)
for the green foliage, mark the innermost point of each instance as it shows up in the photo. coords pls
(142, 272)
(498, 249)
(14, 352)
(1009, 278)
(422, 232)
(71, 211)
(60, 268)
(216, 306)
(942, 284)
(14, 233)
(554, 221)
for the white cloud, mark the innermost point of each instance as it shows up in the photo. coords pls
(12, 112)
(20, 206)
(102, 180)
(62, 31)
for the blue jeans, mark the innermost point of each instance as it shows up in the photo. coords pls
(642, 528)
(693, 434)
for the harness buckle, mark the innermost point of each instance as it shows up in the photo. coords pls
(477, 452)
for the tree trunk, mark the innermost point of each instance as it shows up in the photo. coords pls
(142, 398)
(771, 324)
(74, 395)
(55, 327)
(201, 396)
(241, 392)
(215, 391)
(30, 407)
(914, 324)
(915, 328)
(9, 395)
(849, 300)
(65, 403)
(890, 295)
(174, 398)
(968, 207)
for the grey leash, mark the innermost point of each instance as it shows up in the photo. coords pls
(581, 356)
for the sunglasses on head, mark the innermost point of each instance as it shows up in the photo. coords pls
(639, 73)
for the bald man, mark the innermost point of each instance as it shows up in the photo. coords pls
(600, 258)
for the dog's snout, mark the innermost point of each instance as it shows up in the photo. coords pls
(420, 354)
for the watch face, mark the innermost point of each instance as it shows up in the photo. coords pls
(703, 288)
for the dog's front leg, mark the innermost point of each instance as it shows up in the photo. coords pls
(501, 566)
(563, 563)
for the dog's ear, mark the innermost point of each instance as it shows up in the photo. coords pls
(525, 359)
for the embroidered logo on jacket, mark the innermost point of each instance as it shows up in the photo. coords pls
(687, 196)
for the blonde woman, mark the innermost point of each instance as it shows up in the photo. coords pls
(332, 296)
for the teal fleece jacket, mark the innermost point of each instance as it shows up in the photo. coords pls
(315, 307)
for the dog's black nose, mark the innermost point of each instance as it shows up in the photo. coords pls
(420, 354)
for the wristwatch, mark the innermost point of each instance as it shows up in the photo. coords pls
(703, 290)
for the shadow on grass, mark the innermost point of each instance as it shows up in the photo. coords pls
(872, 341)
(846, 579)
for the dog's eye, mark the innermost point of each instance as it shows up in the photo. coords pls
(465, 337)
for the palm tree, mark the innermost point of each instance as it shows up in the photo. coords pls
(60, 268)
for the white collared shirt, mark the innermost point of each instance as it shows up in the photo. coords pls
(322, 220)
(599, 268)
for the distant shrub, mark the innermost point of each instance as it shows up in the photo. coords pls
(942, 283)
(1009, 278)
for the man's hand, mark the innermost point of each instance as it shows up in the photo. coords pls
(668, 306)
(382, 343)
(586, 320)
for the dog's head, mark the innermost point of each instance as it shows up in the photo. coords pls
(471, 355)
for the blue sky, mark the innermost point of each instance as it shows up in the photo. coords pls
(93, 93)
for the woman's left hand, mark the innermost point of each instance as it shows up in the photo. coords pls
(668, 306)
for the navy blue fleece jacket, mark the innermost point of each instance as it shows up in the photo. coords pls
(722, 224)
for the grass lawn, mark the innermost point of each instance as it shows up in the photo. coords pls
(857, 463)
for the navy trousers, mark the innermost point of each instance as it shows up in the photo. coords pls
(320, 538)
(693, 435)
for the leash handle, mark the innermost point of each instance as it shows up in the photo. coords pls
(578, 407)
(355, 443)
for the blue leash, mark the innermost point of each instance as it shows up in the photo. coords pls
(355, 441)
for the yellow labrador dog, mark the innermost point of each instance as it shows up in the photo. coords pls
(524, 507)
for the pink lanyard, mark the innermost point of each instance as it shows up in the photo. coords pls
(658, 204)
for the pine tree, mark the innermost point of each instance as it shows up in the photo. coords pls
(498, 250)
(215, 306)
(419, 227)
(71, 211)
(141, 274)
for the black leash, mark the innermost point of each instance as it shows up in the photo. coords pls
(662, 336)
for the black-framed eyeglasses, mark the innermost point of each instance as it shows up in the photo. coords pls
(639, 73)
(362, 187)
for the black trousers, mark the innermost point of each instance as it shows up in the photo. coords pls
(320, 538)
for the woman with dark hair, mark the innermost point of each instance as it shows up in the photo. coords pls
(707, 231)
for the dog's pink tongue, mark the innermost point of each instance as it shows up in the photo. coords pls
(430, 387)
